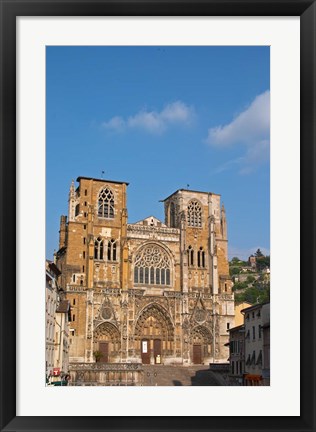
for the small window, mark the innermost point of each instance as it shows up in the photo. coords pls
(81, 282)
(227, 326)
(136, 274)
(259, 331)
(253, 332)
(83, 254)
(98, 249)
(190, 256)
(85, 192)
(112, 250)
(152, 275)
(84, 226)
(201, 257)
(141, 275)
(74, 301)
(77, 209)
(146, 275)
(85, 214)
(84, 240)
(74, 278)
(82, 269)
(74, 317)
(167, 276)
(85, 203)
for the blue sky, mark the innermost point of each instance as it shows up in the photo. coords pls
(162, 118)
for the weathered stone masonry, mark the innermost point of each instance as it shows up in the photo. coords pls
(148, 292)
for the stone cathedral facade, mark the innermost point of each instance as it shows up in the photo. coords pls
(146, 292)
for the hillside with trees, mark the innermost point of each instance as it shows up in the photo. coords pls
(251, 278)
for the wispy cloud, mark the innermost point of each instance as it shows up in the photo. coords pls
(153, 121)
(251, 128)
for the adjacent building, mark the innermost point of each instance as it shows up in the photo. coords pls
(237, 355)
(51, 301)
(56, 318)
(146, 292)
(257, 344)
(249, 347)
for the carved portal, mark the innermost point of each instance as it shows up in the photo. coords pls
(107, 339)
(154, 324)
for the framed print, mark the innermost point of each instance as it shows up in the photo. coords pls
(57, 59)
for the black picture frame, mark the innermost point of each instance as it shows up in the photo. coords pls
(10, 10)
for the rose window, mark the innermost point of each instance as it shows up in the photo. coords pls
(152, 266)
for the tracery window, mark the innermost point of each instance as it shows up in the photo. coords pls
(112, 250)
(201, 257)
(106, 204)
(172, 215)
(152, 266)
(194, 214)
(98, 249)
(190, 256)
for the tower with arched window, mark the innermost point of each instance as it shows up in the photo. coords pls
(150, 291)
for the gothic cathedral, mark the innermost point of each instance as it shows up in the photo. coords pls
(148, 292)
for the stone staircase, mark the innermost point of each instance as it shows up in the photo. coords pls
(160, 375)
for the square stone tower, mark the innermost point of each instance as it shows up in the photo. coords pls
(145, 292)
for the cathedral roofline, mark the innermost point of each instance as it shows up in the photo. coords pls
(189, 190)
(101, 180)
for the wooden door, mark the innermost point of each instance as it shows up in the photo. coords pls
(157, 351)
(104, 349)
(197, 354)
(145, 349)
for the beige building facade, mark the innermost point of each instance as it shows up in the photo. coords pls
(146, 292)
(57, 332)
(257, 344)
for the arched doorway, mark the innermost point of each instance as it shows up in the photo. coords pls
(154, 335)
(107, 340)
(201, 344)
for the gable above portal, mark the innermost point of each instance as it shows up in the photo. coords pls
(151, 221)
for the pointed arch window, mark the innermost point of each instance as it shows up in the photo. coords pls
(112, 250)
(98, 249)
(106, 204)
(194, 214)
(201, 258)
(190, 256)
(152, 266)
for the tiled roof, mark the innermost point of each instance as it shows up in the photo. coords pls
(63, 307)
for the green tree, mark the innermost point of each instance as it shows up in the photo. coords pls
(235, 260)
(234, 270)
(263, 262)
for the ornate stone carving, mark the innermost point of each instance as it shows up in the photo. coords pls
(200, 315)
(106, 313)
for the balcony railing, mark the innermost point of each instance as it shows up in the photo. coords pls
(106, 374)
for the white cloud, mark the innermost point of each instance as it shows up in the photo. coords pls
(153, 121)
(115, 123)
(150, 121)
(250, 128)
